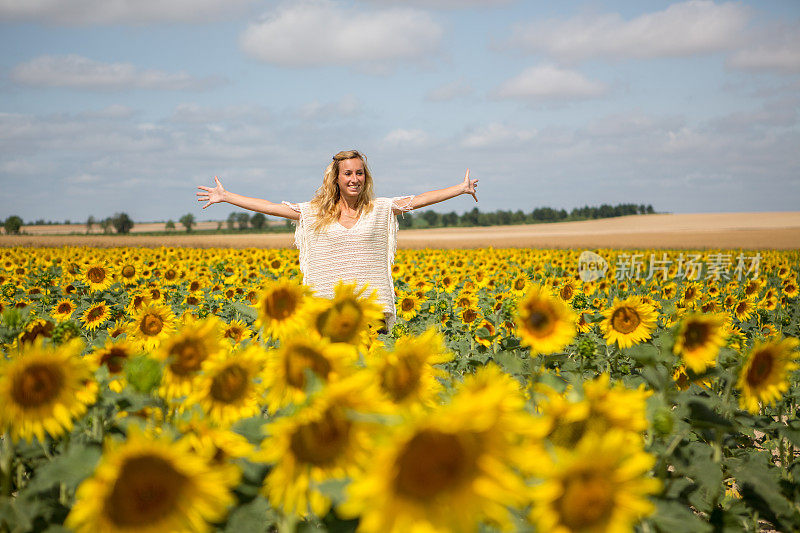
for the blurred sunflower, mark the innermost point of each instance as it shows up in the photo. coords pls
(485, 333)
(281, 308)
(545, 323)
(285, 376)
(151, 325)
(470, 317)
(43, 389)
(325, 440)
(765, 374)
(220, 446)
(698, 340)
(184, 353)
(347, 316)
(236, 331)
(690, 294)
(95, 315)
(114, 355)
(151, 484)
(601, 485)
(789, 288)
(628, 322)
(230, 387)
(97, 277)
(406, 375)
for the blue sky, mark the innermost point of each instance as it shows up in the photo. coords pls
(129, 105)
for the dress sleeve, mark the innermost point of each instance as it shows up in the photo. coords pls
(402, 203)
(295, 207)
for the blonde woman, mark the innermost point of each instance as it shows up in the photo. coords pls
(344, 233)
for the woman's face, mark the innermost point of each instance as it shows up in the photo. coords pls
(351, 177)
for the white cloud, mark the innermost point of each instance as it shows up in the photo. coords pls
(496, 134)
(191, 113)
(347, 106)
(683, 29)
(404, 137)
(449, 91)
(83, 73)
(320, 32)
(777, 50)
(548, 82)
(90, 12)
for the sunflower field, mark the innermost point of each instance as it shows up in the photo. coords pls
(181, 389)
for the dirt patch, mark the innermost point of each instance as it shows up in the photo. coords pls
(779, 230)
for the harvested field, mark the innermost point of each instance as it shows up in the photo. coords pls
(778, 230)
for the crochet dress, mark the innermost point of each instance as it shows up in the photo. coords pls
(362, 254)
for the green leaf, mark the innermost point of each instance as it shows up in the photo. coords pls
(672, 516)
(510, 362)
(255, 516)
(71, 468)
(245, 310)
(759, 487)
(251, 429)
(701, 415)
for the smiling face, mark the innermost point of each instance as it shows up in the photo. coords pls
(351, 177)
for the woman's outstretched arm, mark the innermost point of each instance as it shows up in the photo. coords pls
(468, 186)
(217, 194)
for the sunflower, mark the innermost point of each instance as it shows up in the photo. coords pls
(406, 375)
(790, 288)
(38, 328)
(151, 325)
(230, 386)
(582, 324)
(43, 389)
(466, 299)
(690, 294)
(765, 374)
(97, 277)
(114, 355)
(408, 305)
(487, 338)
(236, 331)
(470, 316)
(449, 469)
(63, 309)
(628, 322)
(151, 484)
(601, 485)
(281, 307)
(566, 290)
(699, 339)
(95, 315)
(348, 315)
(137, 301)
(128, 273)
(744, 309)
(545, 322)
(285, 377)
(184, 354)
(323, 441)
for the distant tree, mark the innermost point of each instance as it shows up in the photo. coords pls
(405, 220)
(170, 225)
(122, 222)
(650, 209)
(67, 222)
(450, 219)
(258, 221)
(188, 221)
(471, 218)
(219, 225)
(231, 220)
(12, 225)
(89, 223)
(243, 219)
(431, 217)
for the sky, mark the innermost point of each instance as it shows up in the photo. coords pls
(129, 105)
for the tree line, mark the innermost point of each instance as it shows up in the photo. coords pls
(474, 217)
(241, 221)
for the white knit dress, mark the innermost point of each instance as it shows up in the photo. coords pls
(363, 254)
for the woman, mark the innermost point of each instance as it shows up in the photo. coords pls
(344, 233)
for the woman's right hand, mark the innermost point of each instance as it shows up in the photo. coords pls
(212, 195)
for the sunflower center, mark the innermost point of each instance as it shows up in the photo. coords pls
(566, 292)
(151, 324)
(275, 264)
(39, 330)
(320, 442)
(95, 313)
(625, 320)
(340, 322)
(233, 332)
(189, 354)
(407, 305)
(64, 308)
(128, 271)
(280, 304)
(170, 274)
(114, 358)
(37, 385)
(433, 462)
(540, 322)
(301, 358)
(760, 368)
(230, 384)
(519, 284)
(147, 491)
(696, 335)
(469, 316)
(587, 500)
(401, 379)
(96, 274)
(567, 434)
(192, 300)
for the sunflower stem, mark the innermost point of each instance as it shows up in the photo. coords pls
(6, 460)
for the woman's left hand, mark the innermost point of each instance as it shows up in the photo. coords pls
(470, 186)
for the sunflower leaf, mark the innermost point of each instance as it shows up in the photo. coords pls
(253, 516)
(70, 468)
(245, 310)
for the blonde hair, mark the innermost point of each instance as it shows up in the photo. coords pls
(326, 199)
